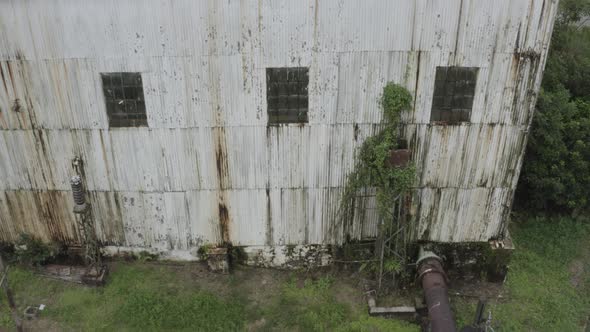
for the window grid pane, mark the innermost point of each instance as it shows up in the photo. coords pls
(286, 95)
(454, 89)
(124, 99)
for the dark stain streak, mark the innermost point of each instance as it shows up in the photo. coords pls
(221, 162)
(269, 228)
(224, 223)
(458, 30)
(516, 79)
(27, 81)
(43, 154)
(426, 143)
(104, 159)
(417, 79)
(4, 80)
(41, 141)
(47, 205)
(224, 182)
(20, 60)
(517, 39)
(16, 107)
(11, 75)
(413, 47)
(542, 13)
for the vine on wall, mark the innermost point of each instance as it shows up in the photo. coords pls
(372, 168)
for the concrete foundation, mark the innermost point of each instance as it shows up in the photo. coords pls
(471, 260)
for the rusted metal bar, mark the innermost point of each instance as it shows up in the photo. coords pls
(434, 283)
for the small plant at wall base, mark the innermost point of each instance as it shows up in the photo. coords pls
(204, 251)
(373, 170)
(31, 251)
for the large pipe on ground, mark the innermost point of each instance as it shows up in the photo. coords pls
(434, 283)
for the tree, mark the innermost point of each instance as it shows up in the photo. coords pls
(556, 171)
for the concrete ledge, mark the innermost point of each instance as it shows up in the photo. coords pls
(475, 260)
(284, 257)
(288, 257)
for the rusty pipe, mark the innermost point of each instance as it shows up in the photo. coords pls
(434, 283)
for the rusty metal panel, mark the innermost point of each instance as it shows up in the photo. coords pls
(208, 169)
(398, 158)
(46, 215)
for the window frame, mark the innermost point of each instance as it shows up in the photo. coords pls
(124, 99)
(453, 94)
(287, 95)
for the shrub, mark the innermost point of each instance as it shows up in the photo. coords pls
(556, 171)
(32, 251)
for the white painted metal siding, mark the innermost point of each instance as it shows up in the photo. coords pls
(208, 145)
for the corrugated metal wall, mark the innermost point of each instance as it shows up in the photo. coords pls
(208, 168)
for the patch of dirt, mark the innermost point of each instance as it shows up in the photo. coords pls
(476, 289)
(577, 273)
(41, 324)
(350, 290)
(257, 285)
(256, 325)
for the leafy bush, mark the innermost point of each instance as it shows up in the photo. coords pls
(556, 170)
(146, 256)
(31, 251)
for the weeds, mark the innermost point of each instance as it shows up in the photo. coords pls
(540, 293)
(31, 251)
(311, 306)
(136, 298)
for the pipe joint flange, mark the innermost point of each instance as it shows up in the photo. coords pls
(431, 266)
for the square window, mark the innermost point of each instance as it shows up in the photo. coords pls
(123, 93)
(454, 88)
(286, 95)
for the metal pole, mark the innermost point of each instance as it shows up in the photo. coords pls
(11, 303)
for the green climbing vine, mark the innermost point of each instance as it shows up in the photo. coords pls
(372, 168)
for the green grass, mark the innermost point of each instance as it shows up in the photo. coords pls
(142, 297)
(540, 294)
(313, 307)
(149, 297)
(136, 298)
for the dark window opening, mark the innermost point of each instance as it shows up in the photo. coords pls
(454, 88)
(286, 95)
(125, 104)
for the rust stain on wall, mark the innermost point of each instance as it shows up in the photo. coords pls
(206, 109)
(224, 183)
